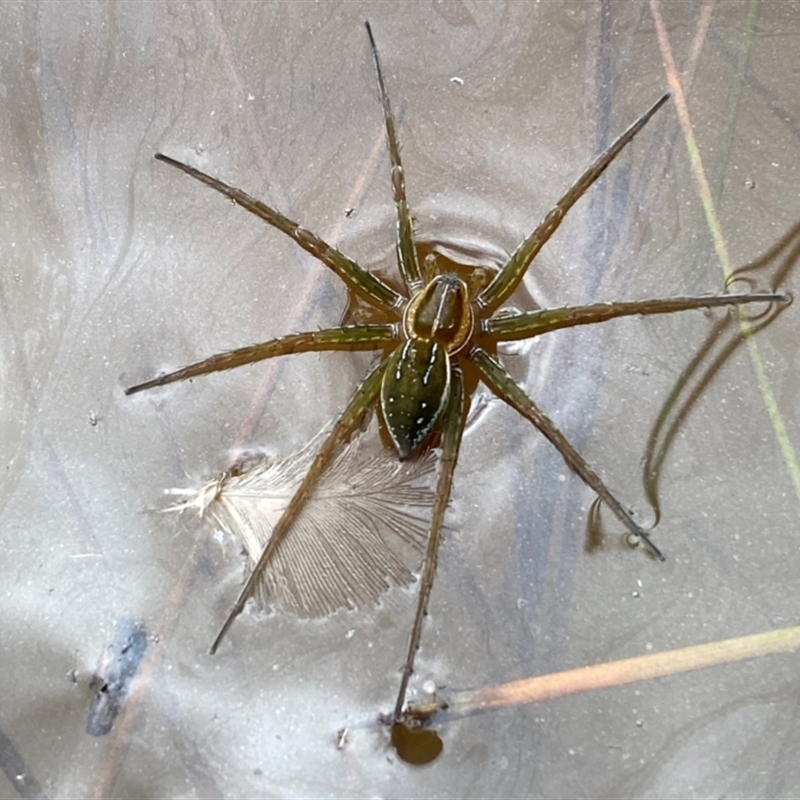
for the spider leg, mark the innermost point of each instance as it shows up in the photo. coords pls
(453, 427)
(368, 287)
(350, 337)
(511, 274)
(406, 250)
(348, 421)
(534, 323)
(503, 385)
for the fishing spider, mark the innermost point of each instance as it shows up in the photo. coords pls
(435, 329)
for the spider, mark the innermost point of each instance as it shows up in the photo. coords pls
(435, 331)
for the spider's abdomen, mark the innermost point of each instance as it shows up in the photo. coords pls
(414, 393)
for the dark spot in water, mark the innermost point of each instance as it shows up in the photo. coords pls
(112, 680)
(416, 745)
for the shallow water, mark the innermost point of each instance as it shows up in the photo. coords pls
(117, 267)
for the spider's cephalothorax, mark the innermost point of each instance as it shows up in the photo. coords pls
(429, 332)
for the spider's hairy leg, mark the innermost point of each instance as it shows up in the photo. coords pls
(452, 429)
(347, 423)
(503, 385)
(511, 274)
(534, 323)
(368, 287)
(406, 249)
(349, 337)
